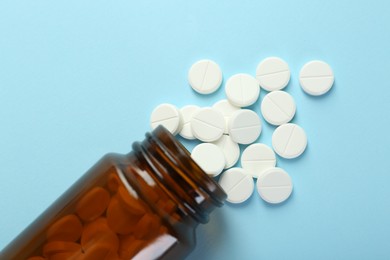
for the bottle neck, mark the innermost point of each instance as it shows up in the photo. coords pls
(172, 167)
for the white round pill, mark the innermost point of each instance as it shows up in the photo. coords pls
(230, 149)
(209, 157)
(242, 90)
(208, 124)
(316, 78)
(187, 112)
(278, 107)
(227, 109)
(289, 141)
(274, 186)
(244, 126)
(273, 74)
(168, 116)
(205, 76)
(237, 184)
(257, 158)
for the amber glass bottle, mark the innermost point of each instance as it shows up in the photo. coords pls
(142, 205)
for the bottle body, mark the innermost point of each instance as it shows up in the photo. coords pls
(143, 205)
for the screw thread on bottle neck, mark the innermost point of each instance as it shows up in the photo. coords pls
(171, 164)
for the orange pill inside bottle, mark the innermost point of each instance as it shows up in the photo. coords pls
(142, 205)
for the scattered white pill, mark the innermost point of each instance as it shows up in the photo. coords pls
(168, 116)
(289, 141)
(209, 157)
(273, 74)
(227, 109)
(205, 76)
(274, 186)
(237, 184)
(244, 126)
(316, 78)
(242, 90)
(230, 149)
(278, 107)
(208, 124)
(225, 125)
(257, 158)
(187, 112)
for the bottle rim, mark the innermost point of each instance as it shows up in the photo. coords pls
(202, 193)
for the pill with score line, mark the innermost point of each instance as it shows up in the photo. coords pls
(209, 157)
(208, 124)
(257, 158)
(237, 184)
(274, 186)
(168, 116)
(316, 77)
(273, 74)
(289, 140)
(242, 90)
(244, 126)
(278, 107)
(205, 76)
(187, 112)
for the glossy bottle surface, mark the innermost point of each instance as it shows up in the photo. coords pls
(143, 205)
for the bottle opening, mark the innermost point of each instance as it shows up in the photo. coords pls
(173, 166)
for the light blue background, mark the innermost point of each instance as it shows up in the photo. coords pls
(79, 79)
